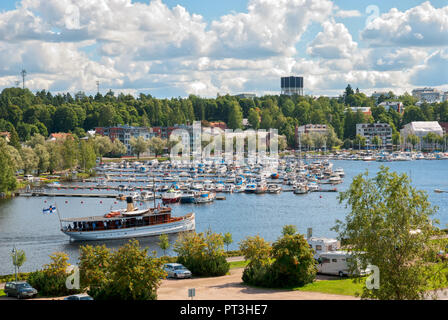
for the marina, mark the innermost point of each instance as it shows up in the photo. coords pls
(23, 225)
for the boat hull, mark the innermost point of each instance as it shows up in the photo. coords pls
(170, 200)
(187, 224)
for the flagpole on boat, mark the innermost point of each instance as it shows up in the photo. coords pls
(57, 211)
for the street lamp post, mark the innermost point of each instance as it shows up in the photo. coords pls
(14, 252)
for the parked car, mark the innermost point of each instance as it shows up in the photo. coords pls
(19, 289)
(442, 255)
(79, 297)
(176, 271)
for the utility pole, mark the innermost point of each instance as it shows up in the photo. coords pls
(98, 87)
(23, 73)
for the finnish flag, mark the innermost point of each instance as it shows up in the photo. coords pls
(49, 210)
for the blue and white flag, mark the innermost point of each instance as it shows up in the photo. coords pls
(49, 210)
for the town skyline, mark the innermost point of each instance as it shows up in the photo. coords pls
(176, 48)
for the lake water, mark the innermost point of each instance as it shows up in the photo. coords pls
(23, 225)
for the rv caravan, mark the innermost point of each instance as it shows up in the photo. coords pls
(320, 245)
(336, 263)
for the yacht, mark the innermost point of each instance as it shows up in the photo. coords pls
(171, 196)
(127, 223)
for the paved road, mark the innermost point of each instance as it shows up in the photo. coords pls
(231, 287)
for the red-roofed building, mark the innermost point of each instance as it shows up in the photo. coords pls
(60, 136)
(219, 124)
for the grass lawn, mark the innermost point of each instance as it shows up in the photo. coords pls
(2, 293)
(340, 286)
(238, 264)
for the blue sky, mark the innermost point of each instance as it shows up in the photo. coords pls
(162, 47)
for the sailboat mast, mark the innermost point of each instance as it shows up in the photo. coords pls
(154, 190)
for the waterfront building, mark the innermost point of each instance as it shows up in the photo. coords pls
(308, 129)
(395, 105)
(292, 85)
(421, 129)
(124, 133)
(186, 132)
(444, 126)
(381, 130)
(429, 95)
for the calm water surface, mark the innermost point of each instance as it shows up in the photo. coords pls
(23, 225)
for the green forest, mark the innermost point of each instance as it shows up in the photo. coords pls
(24, 114)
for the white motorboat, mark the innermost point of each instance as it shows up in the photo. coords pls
(274, 188)
(301, 188)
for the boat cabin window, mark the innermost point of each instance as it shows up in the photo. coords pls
(318, 247)
(334, 260)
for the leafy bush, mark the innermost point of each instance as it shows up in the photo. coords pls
(294, 264)
(288, 262)
(126, 274)
(51, 281)
(203, 254)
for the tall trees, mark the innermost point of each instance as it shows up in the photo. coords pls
(8, 180)
(103, 145)
(389, 226)
(235, 116)
(138, 145)
(157, 145)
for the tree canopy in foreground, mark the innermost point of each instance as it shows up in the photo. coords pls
(390, 226)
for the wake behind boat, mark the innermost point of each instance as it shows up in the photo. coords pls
(127, 223)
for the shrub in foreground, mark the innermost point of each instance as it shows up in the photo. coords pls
(202, 253)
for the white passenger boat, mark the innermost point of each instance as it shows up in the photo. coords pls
(127, 223)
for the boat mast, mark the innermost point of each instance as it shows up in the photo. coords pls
(154, 190)
(57, 211)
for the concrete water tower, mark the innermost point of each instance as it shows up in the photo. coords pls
(292, 85)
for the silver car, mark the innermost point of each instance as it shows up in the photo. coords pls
(176, 271)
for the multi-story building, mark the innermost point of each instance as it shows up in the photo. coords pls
(125, 133)
(187, 133)
(396, 105)
(365, 110)
(371, 130)
(308, 129)
(427, 94)
(421, 129)
(377, 95)
(445, 96)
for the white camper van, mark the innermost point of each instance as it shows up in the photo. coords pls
(335, 263)
(320, 245)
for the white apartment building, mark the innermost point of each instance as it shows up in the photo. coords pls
(381, 130)
(421, 129)
(427, 94)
